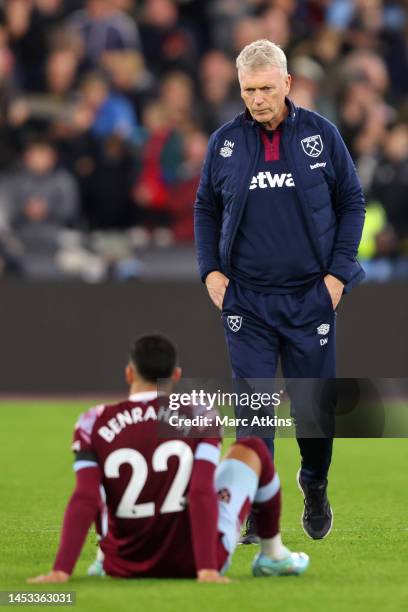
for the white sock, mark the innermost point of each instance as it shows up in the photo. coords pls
(274, 549)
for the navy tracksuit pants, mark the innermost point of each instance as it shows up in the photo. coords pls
(298, 328)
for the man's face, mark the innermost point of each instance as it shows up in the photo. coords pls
(263, 91)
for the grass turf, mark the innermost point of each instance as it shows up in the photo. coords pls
(361, 566)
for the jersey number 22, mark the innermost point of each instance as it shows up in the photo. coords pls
(174, 501)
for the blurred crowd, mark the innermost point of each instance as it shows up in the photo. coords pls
(106, 107)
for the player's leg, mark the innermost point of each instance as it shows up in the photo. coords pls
(253, 351)
(244, 478)
(308, 357)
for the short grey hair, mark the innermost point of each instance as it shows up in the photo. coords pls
(259, 54)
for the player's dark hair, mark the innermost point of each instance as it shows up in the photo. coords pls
(154, 357)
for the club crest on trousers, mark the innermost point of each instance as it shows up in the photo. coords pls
(234, 322)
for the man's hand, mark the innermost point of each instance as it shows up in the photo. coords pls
(211, 575)
(335, 288)
(217, 283)
(53, 577)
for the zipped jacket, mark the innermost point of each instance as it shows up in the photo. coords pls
(326, 182)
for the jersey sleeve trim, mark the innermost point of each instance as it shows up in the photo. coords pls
(208, 452)
(80, 465)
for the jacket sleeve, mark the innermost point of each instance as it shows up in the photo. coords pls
(207, 218)
(349, 207)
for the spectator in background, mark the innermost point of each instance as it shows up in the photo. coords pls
(244, 32)
(6, 89)
(167, 43)
(307, 76)
(102, 29)
(107, 204)
(275, 23)
(61, 71)
(37, 110)
(182, 192)
(365, 26)
(220, 95)
(41, 201)
(96, 143)
(363, 117)
(108, 113)
(390, 187)
(160, 162)
(129, 77)
(9, 261)
(370, 66)
(324, 51)
(30, 24)
(177, 96)
(40, 191)
(224, 14)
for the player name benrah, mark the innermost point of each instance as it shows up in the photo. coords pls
(133, 416)
(121, 420)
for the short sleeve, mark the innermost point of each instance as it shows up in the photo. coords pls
(82, 438)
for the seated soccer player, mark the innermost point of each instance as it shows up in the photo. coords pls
(172, 509)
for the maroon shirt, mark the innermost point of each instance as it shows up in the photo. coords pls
(147, 482)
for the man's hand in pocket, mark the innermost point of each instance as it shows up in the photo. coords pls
(217, 283)
(335, 288)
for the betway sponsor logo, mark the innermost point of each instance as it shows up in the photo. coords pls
(267, 179)
(318, 165)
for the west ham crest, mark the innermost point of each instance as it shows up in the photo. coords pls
(312, 145)
(234, 322)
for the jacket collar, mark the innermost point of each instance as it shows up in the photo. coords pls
(289, 121)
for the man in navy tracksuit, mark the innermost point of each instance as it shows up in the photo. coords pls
(278, 219)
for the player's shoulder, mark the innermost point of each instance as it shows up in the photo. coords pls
(227, 128)
(307, 116)
(95, 418)
(84, 427)
(86, 420)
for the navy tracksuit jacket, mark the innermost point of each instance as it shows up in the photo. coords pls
(297, 326)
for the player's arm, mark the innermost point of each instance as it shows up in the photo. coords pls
(84, 504)
(203, 509)
(349, 208)
(207, 218)
(79, 515)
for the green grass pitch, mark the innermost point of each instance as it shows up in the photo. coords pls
(362, 566)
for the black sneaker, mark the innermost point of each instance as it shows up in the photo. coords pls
(317, 517)
(249, 535)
